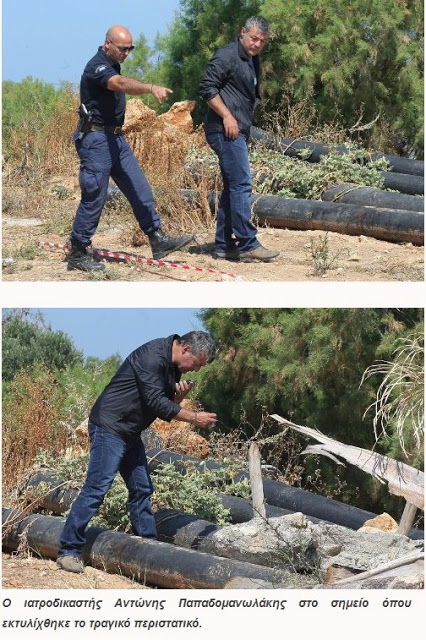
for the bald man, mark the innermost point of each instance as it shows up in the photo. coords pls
(104, 152)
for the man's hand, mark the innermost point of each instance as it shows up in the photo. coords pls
(231, 127)
(182, 389)
(204, 419)
(161, 93)
(230, 124)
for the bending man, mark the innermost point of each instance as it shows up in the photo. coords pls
(147, 386)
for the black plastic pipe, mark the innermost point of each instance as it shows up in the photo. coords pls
(413, 185)
(147, 561)
(281, 495)
(355, 194)
(292, 148)
(393, 225)
(280, 500)
(59, 497)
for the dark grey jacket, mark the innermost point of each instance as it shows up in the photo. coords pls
(142, 390)
(233, 75)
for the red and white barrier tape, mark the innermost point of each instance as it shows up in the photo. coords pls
(116, 255)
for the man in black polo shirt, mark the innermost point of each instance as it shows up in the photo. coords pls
(104, 152)
(147, 386)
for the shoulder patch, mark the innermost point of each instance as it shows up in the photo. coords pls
(102, 67)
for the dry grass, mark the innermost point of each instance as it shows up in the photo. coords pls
(400, 396)
(160, 150)
(30, 422)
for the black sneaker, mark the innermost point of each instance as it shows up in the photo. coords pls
(162, 245)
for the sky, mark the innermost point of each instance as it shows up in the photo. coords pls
(52, 40)
(105, 332)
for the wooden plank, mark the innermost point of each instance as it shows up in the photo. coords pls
(258, 499)
(407, 519)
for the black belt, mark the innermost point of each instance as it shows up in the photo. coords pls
(98, 127)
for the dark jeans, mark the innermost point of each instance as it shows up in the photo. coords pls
(103, 155)
(233, 226)
(109, 455)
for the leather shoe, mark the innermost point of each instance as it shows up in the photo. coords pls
(78, 258)
(230, 253)
(162, 245)
(70, 563)
(259, 253)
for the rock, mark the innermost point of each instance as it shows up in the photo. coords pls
(159, 141)
(179, 116)
(82, 432)
(180, 436)
(175, 435)
(383, 522)
(278, 542)
(138, 116)
(360, 550)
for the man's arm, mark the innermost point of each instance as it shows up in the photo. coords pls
(198, 418)
(215, 77)
(137, 88)
(230, 124)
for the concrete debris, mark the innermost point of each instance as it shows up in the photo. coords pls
(294, 542)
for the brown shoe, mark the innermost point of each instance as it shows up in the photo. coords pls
(70, 563)
(259, 253)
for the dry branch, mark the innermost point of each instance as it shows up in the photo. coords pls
(402, 479)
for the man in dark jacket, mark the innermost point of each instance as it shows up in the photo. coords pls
(230, 87)
(147, 386)
(104, 152)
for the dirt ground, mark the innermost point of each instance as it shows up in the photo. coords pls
(339, 257)
(30, 572)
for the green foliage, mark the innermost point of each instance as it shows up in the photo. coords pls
(321, 256)
(27, 107)
(82, 383)
(275, 173)
(350, 60)
(365, 57)
(201, 27)
(304, 364)
(138, 65)
(26, 343)
(190, 493)
(27, 251)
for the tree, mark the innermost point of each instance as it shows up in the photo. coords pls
(201, 27)
(305, 365)
(349, 59)
(138, 64)
(26, 343)
(82, 383)
(363, 56)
